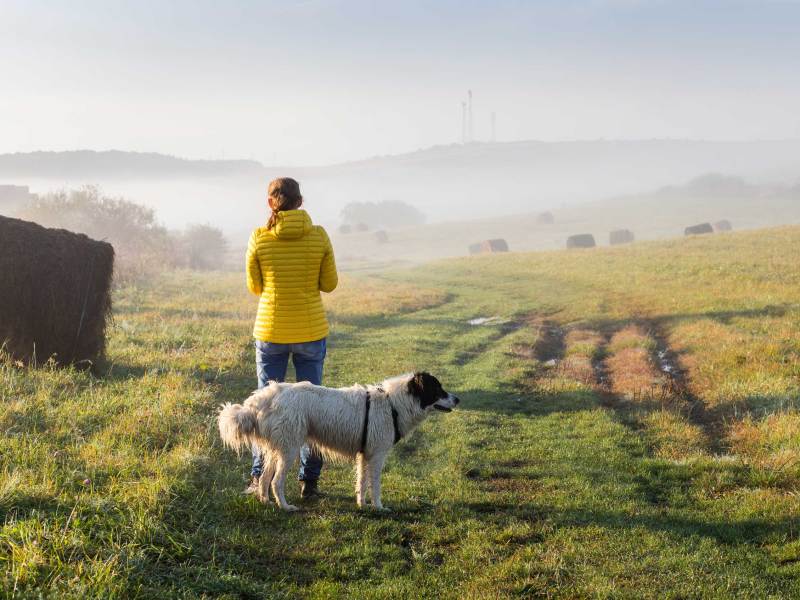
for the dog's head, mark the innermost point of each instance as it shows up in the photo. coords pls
(427, 390)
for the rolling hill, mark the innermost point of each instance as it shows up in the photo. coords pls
(447, 183)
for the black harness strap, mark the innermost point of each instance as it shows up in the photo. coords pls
(366, 423)
(397, 435)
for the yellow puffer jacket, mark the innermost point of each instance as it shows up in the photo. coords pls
(288, 266)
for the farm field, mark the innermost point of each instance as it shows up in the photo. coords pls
(628, 428)
(654, 216)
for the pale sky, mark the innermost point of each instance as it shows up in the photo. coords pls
(323, 81)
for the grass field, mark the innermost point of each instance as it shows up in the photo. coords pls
(629, 428)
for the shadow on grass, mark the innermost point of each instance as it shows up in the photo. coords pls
(19, 506)
(121, 372)
(403, 317)
(512, 401)
(751, 531)
(467, 355)
(255, 550)
(663, 492)
(724, 317)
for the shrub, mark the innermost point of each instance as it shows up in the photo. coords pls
(203, 247)
(141, 244)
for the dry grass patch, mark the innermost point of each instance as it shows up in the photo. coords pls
(582, 348)
(584, 342)
(634, 374)
(655, 402)
(744, 364)
(771, 444)
(672, 436)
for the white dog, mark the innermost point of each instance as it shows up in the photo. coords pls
(361, 423)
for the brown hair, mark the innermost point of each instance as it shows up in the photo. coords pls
(285, 194)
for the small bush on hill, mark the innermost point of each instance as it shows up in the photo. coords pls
(203, 247)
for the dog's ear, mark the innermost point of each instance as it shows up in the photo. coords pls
(415, 385)
(425, 387)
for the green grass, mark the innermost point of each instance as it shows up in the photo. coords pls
(540, 485)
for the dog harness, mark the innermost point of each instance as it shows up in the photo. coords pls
(397, 435)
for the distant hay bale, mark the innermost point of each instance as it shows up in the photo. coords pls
(55, 294)
(381, 237)
(489, 246)
(723, 225)
(496, 245)
(581, 240)
(545, 218)
(620, 236)
(345, 229)
(698, 229)
(362, 227)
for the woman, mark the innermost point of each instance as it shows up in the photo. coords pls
(289, 262)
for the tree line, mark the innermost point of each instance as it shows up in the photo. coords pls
(142, 245)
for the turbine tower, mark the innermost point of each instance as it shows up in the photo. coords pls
(463, 122)
(469, 120)
(494, 139)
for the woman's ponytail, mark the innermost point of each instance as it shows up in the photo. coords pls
(285, 195)
(273, 219)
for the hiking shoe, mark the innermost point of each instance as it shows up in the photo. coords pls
(309, 490)
(252, 487)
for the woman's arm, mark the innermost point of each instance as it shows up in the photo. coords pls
(253, 267)
(328, 278)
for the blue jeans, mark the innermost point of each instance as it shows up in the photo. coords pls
(271, 363)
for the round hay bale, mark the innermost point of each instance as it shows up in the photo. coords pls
(620, 236)
(55, 294)
(381, 237)
(723, 225)
(581, 240)
(545, 218)
(698, 229)
(496, 245)
(345, 229)
(362, 227)
(489, 246)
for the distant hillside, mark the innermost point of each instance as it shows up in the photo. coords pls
(667, 160)
(584, 164)
(707, 198)
(487, 180)
(446, 183)
(539, 153)
(112, 164)
(663, 213)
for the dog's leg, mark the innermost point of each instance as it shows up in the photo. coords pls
(283, 461)
(361, 480)
(375, 467)
(267, 474)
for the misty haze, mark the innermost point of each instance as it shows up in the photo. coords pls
(490, 299)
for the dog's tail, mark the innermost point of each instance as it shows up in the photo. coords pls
(237, 425)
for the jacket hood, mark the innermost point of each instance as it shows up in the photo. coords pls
(292, 224)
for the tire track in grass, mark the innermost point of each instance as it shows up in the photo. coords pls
(566, 358)
(550, 344)
(650, 388)
(670, 365)
(629, 367)
(498, 333)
